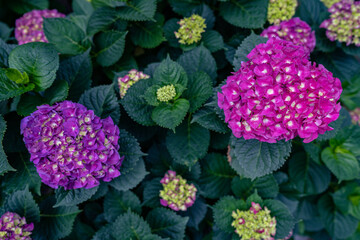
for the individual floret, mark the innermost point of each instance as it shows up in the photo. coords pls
(190, 29)
(29, 28)
(279, 94)
(71, 146)
(14, 227)
(176, 193)
(281, 10)
(294, 30)
(128, 80)
(255, 223)
(344, 22)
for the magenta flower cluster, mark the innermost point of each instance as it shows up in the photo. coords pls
(14, 227)
(294, 30)
(279, 94)
(71, 146)
(29, 28)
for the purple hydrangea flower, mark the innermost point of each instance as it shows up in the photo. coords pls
(71, 146)
(294, 30)
(279, 94)
(14, 227)
(29, 28)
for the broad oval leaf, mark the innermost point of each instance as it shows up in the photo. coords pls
(73, 196)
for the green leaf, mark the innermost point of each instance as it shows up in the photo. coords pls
(107, 3)
(150, 95)
(182, 7)
(170, 72)
(245, 14)
(24, 6)
(131, 178)
(170, 115)
(196, 213)
(9, 89)
(5, 33)
(167, 224)
(130, 226)
(104, 232)
(188, 144)
(5, 50)
(213, 40)
(111, 46)
(130, 149)
(116, 203)
(252, 158)
(77, 71)
(197, 60)
(103, 101)
(28, 103)
(208, 119)
(101, 19)
(25, 175)
(138, 10)
(23, 203)
(73, 196)
(152, 193)
(308, 177)
(136, 106)
(57, 92)
(216, 177)
(170, 27)
(338, 225)
(67, 37)
(284, 220)
(55, 223)
(16, 76)
(310, 12)
(343, 121)
(148, 34)
(199, 90)
(266, 186)
(4, 164)
(82, 7)
(248, 44)
(342, 163)
(223, 210)
(39, 60)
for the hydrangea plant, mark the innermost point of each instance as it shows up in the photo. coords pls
(179, 119)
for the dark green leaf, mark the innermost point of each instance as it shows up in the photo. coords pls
(152, 193)
(39, 60)
(170, 72)
(5, 50)
(24, 6)
(82, 7)
(28, 103)
(266, 186)
(213, 40)
(166, 223)
(101, 19)
(5, 32)
(196, 213)
(208, 119)
(130, 226)
(182, 7)
(103, 101)
(130, 150)
(170, 27)
(170, 115)
(138, 10)
(9, 89)
(252, 158)
(111, 46)
(188, 144)
(4, 164)
(57, 92)
(116, 203)
(73, 196)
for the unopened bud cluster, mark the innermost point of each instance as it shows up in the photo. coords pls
(255, 223)
(14, 227)
(176, 193)
(281, 10)
(130, 79)
(190, 29)
(166, 93)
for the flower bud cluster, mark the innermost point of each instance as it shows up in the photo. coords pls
(344, 22)
(29, 28)
(190, 29)
(71, 146)
(14, 227)
(255, 223)
(279, 94)
(281, 10)
(355, 116)
(128, 80)
(294, 30)
(166, 93)
(176, 193)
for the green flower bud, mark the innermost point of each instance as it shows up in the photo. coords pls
(190, 29)
(329, 3)
(281, 10)
(166, 93)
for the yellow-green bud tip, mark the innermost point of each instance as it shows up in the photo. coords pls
(166, 93)
(190, 29)
(281, 10)
(329, 3)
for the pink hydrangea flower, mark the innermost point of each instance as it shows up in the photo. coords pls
(13, 227)
(279, 94)
(71, 146)
(294, 30)
(29, 28)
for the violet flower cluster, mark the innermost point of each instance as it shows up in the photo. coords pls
(29, 28)
(176, 193)
(344, 22)
(279, 94)
(14, 227)
(294, 30)
(71, 146)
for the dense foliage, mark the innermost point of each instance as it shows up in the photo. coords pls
(179, 119)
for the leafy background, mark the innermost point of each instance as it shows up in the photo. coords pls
(312, 188)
